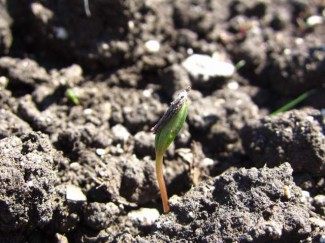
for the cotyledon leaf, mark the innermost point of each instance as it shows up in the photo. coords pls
(172, 125)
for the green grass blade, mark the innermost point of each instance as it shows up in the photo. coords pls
(293, 103)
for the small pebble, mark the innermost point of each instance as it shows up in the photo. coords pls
(305, 196)
(131, 25)
(320, 200)
(206, 67)
(61, 238)
(75, 165)
(120, 132)
(315, 20)
(3, 82)
(189, 51)
(319, 203)
(152, 46)
(105, 46)
(116, 150)
(41, 12)
(233, 85)
(144, 216)
(147, 92)
(206, 162)
(61, 33)
(30, 183)
(88, 111)
(299, 41)
(74, 193)
(100, 152)
(287, 51)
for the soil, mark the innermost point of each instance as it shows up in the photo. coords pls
(82, 169)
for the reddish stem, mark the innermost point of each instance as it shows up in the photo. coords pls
(161, 182)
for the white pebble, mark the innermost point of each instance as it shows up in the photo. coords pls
(74, 193)
(88, 111)
(30, 183)
(120, 132)
(41, 12)
(100, 152)
(299, 41)
(305, 196)
(320, 199)
(314, 20)
(206, 162)
(147, 92)
(131, 25)
(152, 46)
(287, 51)
(105, 46)
(3, 82)
(233, 85)
(144, 216)
(206, 67)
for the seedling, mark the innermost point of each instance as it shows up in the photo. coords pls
(72, 96)
(166, 130)
(240, 64)
(293, 103)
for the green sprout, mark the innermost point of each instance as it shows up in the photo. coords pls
(166, 130)
(240, 64)
(293, 103)
(72, 96)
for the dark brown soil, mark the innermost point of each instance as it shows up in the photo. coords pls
(84, 171)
